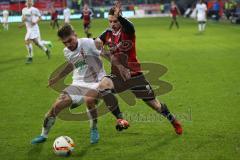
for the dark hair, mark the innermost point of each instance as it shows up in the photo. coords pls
(65, 31)
(111, 11)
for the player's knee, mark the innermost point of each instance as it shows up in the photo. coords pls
(63, 98)
(36, 42)
(90, 102)
(105, 84)
(27, 42)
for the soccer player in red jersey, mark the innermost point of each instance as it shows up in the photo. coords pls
(126, 70)
(86, 16)
(54, 18)
(174, 13)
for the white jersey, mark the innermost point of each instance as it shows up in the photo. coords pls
(88, 67)
(201, 10)
(32, 15)
(67, 14)
(5, 16)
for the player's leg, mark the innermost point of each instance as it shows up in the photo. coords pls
(40, 44)
(199, 26)
(80, 95)
(171, 24)
(162, 109)
(204, 25)
(51, 23)
(106, 87)
(57, 24)
(54, 24)
(48, 44)
(176, 22)
(63, 101)
(86, 30)
(92, 114)
(143, 90)
(29, 47)
(7, 25)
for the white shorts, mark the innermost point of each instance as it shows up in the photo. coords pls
(77, 91)
(201, 18)
(67, 20)
(4, 20)
(32, 34)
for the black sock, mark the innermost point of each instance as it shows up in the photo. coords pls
(112, 103)
(166, 113)
(177, 24)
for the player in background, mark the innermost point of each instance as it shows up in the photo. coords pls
(54, 18)
(5, 19)
(201, 12)
(67, 14)
(31, 16)
(174, 11)
(83, 57)
(86, 16)
(126, 70)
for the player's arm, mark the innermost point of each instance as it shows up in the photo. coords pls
(126, 24)
(178, 10)
(23, 21)
(104, 52)
(124, 72)
(67, 69)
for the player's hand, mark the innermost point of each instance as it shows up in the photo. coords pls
(124, 72)
(118, 8)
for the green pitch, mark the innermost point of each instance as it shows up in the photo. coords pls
(204, 70)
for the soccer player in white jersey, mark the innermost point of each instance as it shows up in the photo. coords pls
(66, 14)
(83, 58)
(31, 16)
(5, 19)
(201, 9)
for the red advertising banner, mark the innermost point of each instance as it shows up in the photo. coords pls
(40, 4)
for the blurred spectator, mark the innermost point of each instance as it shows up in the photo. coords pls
(216, 10)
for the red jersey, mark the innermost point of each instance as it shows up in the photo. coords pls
(86, 15)
(125, 42)
(174, 11)
(54, 15)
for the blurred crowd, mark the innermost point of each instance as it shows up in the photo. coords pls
(217, 9)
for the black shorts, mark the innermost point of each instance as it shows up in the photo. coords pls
(139, 86)
(86, 26)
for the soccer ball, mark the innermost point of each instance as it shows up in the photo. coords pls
(63, 146)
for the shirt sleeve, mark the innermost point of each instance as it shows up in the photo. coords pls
(66, 54)
(127, 25)
(92, 48)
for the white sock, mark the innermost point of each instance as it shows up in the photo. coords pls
(204, 26)
(45, 42)
(92, 114)
(200, 27)
(41, 45)
(30, 50)
(48, 123)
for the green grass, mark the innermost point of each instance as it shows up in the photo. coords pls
(203, 69)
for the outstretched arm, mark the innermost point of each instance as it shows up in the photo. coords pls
(126, 24)
(68, 69)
